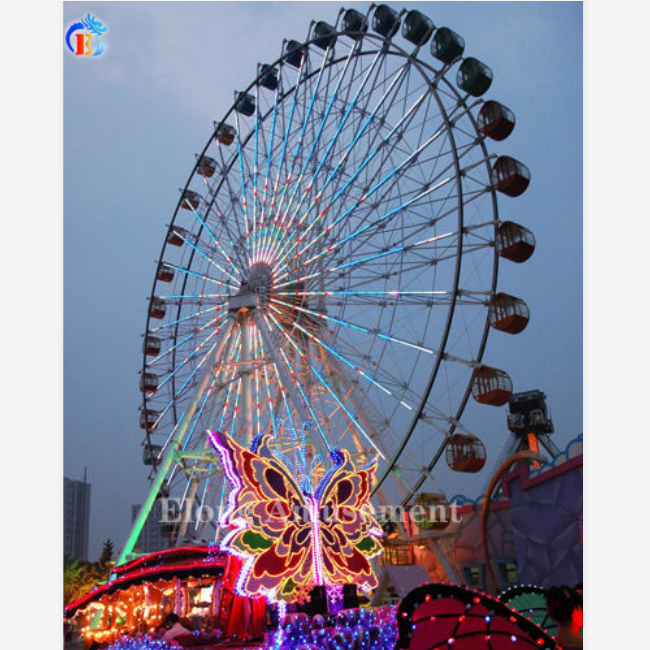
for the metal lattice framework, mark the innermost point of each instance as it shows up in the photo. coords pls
(332, 258)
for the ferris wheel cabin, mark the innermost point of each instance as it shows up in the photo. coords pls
(225, 134)
(385, 21)
(417, 28)
(514, 242)
(149, 419)
(474, 77)
(151, 346)
(509, 176)
(206, 166)
(465, 453)
(355, 24)
(446, 45)
(148, 383)
(324, 35)
(158, 308)
(165, 272)
(508, 314)
(491, 386)
(190, 200)
(495, 120)
(269, 77)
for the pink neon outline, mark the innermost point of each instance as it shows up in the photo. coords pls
(239, 525)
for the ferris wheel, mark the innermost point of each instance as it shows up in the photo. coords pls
(330, 272)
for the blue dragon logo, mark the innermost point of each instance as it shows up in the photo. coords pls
(93, 30)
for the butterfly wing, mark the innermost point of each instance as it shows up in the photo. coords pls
(266, 509)
(348, 531)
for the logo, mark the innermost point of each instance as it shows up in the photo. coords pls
(83, 37)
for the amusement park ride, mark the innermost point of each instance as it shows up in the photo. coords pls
(322, 302)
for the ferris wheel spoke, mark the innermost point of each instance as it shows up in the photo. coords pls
(324, 383)
(378, 57)
(393, 86)
(369, 258)
(336, 170)
(212, 237)
(233, 199)
(314, 416)
(180, 392)
(209, 259)
(287, 131)
(349, 363)
(196, 314)
(192, 335)
(411, 157)
(179, 365)
(267, 245)
(358, 328)
(362, 199)
(297, 151)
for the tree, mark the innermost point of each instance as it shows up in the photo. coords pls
(107, 553)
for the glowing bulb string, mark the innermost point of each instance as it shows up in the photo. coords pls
(359, 328)
(208, 258)
(314, 417)
(189, 357)
(242, 179)
(384, 217)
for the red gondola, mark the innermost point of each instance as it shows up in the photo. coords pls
(148, 383)
(158, 308)
(190, 200)
(148, 420)
(465, 453)
(206, 166)
(491, 386)
(509, 176)
(515, 243)
(151, 346)
(225, 134)
(508, 314)
(165, 273)
(496, 120)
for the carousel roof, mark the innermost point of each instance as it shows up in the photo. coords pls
(180, 562)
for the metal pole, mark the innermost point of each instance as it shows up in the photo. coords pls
(246, 379)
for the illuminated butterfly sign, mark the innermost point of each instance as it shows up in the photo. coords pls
(292, 538)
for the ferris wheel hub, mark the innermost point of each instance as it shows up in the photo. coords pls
(254, 292)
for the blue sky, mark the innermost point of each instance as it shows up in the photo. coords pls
(135, 117)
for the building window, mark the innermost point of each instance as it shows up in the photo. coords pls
(474, 577)
(507, 572)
